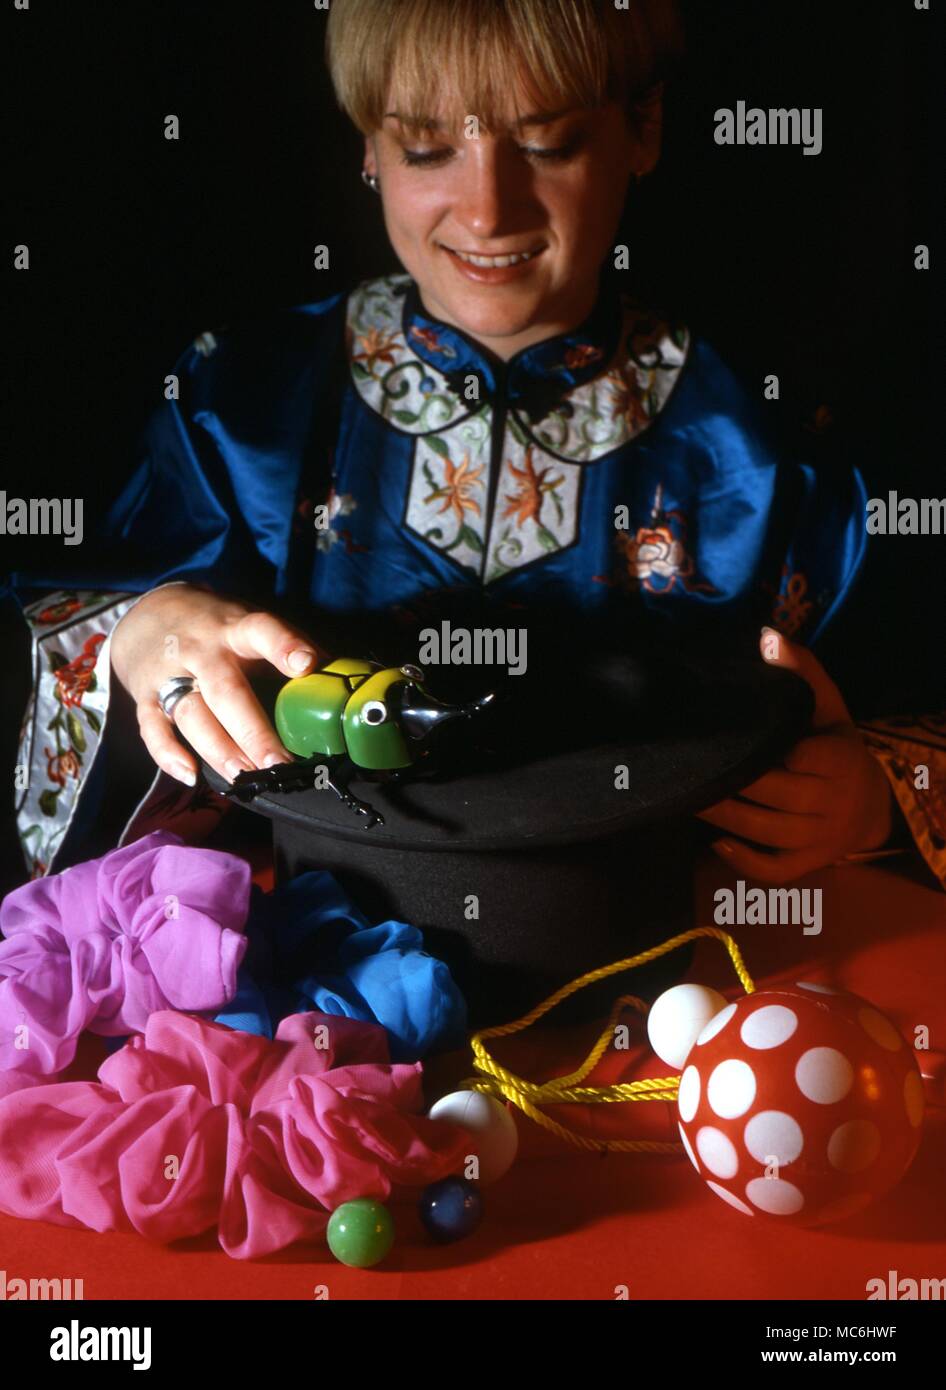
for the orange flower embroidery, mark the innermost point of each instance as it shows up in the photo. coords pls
(58, 611)
(431, 341)
(628, 404)
(533, 486)
(791, 608)
(654, 553)
(656, 557)
(459, 482)
(582, 355)
(59, 766)
(73, 680)
(376, 346)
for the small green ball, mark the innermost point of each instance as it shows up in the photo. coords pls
(360, 1233)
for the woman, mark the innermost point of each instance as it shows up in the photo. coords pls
(495, 431)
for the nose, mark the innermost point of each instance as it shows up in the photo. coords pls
(491, 189)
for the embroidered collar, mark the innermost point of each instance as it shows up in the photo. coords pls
(578, 396)
(533, 379)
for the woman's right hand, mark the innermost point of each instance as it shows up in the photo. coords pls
(185, 631)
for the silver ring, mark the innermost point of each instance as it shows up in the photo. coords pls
(172, 692)
(371, 181)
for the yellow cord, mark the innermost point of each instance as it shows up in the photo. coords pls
(503, 1084)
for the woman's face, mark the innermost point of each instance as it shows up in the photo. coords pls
(550, 188)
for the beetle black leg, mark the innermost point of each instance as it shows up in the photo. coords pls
(284, 777)
(339, 775)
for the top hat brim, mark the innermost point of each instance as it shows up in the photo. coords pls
(548, 766)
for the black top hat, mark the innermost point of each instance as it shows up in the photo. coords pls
(556, 834)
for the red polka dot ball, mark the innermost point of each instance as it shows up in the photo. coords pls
(800, 1103)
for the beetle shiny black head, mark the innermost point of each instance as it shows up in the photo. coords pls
(419, 714)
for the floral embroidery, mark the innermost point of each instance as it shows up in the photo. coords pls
(339, 504)
(460, 479)
(551, 429)
(604, 413)
(75, 677)
(66, 716)
(526, 504)
(582, 355)
(656, 557)
(627, 405)
(57, 608)
(454, 493)
(431, 341)
(59, 766)
(376, 346)
(902, 745)
(932, 803)
(526, 487)
(72, 680)
(791, 609)
(441, 488)
(58, 611)
(579, 424)
(205, 344)
(408, 392)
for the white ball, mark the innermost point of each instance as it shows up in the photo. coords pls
(495, 1138)
(678, 1017)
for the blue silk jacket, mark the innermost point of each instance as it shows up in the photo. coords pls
(619, 464)
(356, 458)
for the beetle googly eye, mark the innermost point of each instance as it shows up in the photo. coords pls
(374, 712)
(413, 673)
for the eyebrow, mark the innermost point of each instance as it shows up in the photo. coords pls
(536, 118)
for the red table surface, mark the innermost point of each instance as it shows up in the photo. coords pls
(565, 1224)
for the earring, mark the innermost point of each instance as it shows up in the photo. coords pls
(371, 181)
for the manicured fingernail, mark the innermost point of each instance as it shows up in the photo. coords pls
(770, 644)
(298, 661)
(185, 775)
(233, 769)
(276, 759)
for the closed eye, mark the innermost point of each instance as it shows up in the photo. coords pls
(556, 152)
(429, 158)
(416, 158)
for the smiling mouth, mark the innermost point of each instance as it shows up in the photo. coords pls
(493, 262)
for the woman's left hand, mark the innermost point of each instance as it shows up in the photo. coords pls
(830, 798)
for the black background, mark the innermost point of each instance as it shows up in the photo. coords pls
(789, 264)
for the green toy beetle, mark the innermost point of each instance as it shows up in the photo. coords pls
(352, 715)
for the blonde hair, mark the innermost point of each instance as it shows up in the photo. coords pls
(463, 57)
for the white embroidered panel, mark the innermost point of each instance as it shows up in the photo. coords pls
(388, 376)
(66, 717)
(536, 512)
(606, 413)
(449, 488)
(537, 497)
